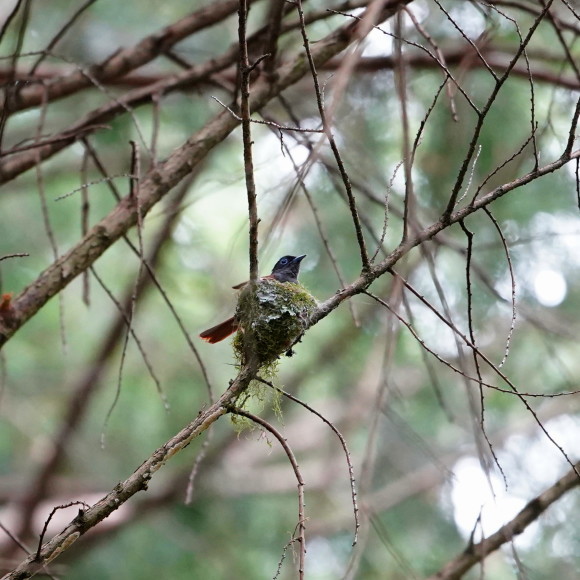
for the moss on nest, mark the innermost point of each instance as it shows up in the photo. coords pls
(277, 314)
(255, 399)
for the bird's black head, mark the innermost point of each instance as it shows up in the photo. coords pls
(287, 268)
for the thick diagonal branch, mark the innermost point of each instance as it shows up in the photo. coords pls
(475, 553)
(138, 481)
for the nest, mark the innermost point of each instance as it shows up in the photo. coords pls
(277, 315)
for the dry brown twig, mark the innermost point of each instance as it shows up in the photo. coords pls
(301, 525)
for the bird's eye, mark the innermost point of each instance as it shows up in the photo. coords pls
(283, 261)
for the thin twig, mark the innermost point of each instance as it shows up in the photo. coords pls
(244, 74)
(332, 142)
(60, 34)
(301, 538)
(486, 108)
(344, 447)
(54, 510)
(269, 123)
(512, 283)
(16, 255)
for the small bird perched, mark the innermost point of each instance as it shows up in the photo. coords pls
(285, 270)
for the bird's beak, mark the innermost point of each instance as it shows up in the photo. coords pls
(298, 259)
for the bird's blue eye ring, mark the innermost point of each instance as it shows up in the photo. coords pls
(284, 261)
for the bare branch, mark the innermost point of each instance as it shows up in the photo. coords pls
(475, 553)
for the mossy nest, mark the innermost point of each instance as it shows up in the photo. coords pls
(277, 314)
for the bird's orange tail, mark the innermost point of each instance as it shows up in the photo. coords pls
(220, 331)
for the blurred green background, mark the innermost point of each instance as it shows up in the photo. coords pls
(425, 474)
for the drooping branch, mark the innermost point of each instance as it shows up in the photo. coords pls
(300, 536)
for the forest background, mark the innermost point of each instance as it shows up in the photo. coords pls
(424, 156)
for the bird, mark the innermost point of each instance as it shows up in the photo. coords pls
(285, 270)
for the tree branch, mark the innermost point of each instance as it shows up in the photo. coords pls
(475, 553)
(138, 481)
